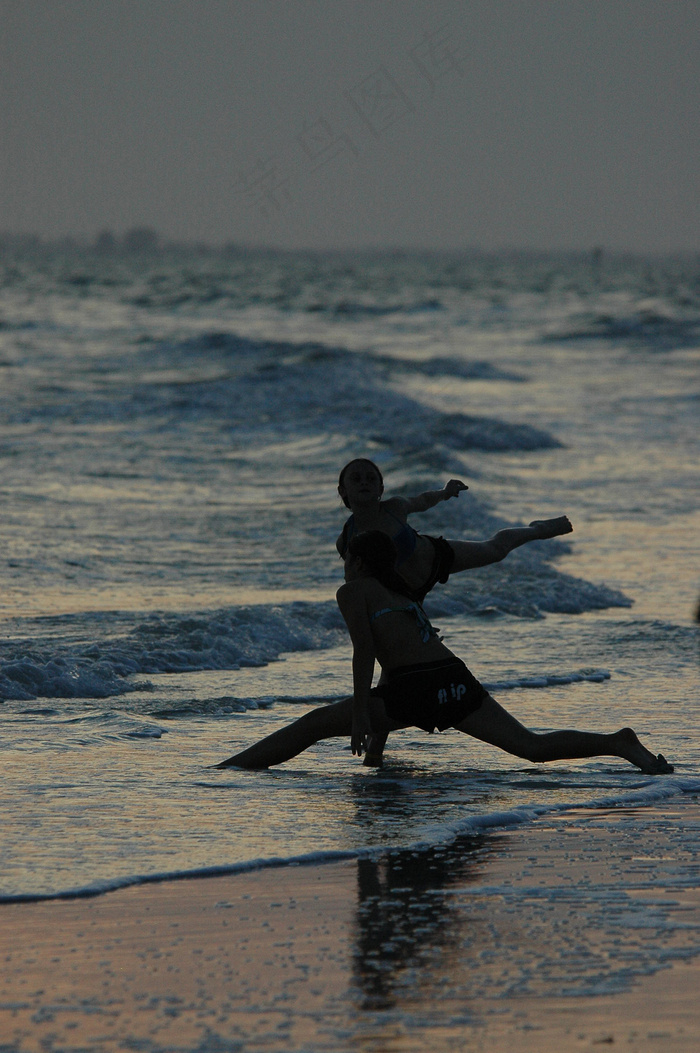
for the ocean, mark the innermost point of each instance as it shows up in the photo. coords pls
(172, 427)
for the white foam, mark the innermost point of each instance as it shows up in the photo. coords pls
(596, 676)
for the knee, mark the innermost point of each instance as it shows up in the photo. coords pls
(533, 749)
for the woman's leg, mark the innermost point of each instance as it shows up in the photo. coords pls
(321, 723)
(471, 554)
(324, 722)
(493, 724)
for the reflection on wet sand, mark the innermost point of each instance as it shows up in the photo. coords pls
(408, 925)
(503, 927)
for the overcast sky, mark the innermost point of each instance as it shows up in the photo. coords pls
(333, 123)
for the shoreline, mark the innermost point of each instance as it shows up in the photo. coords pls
(565, 933)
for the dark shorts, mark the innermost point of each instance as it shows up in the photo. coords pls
(431, 695)
(443, 559)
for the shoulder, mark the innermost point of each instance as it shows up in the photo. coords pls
(352, 592)
(355, 603)
(360, 594)
(396, 506)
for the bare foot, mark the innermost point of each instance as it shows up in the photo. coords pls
(374, 754)
(373, 760)
(632, 750)
(233, 762)
(547, 528)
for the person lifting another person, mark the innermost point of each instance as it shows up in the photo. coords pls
(422, 683)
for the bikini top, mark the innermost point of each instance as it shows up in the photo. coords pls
(424, 627)
(405, 539)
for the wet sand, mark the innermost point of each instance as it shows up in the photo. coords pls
(574, 934)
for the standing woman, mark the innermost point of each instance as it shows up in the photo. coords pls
(422, 560)
(423, 684)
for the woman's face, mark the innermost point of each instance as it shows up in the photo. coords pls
(350, 567)
(361, 484)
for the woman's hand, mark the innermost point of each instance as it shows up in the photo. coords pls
(453, 488)
(361, 730)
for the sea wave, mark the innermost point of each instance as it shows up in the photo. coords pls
(225, 705)
(645, 327)
(115, 652)
(232, 638)
(271, 388)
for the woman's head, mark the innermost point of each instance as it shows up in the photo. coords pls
(378, 555)
(376, 550)
(357, 477)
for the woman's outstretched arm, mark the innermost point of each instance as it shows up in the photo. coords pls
(428, 499)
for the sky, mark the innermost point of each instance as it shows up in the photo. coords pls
(443, 124)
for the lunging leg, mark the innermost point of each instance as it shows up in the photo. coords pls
(325, 722)
(493, 724)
